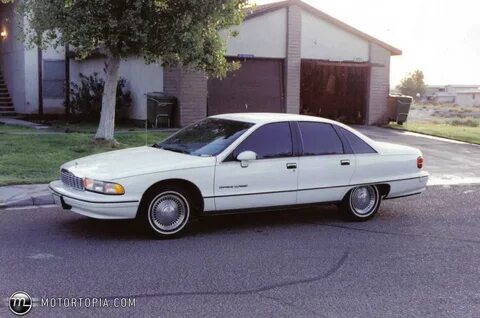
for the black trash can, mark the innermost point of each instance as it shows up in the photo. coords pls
(160, 109)
(402, 108)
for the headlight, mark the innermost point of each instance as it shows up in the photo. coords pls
(103, 187)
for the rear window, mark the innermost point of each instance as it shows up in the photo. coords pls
(320, 139)
(358, 145)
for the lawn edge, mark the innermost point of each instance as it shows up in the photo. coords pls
(431, 135)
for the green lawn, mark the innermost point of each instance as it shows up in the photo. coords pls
(90, 127)
(36, 158)
(462, 133)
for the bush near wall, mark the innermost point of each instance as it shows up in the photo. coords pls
(86, 98)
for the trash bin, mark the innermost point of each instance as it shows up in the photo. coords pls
(160, 108)
(401, 107)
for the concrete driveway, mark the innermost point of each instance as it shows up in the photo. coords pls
(448, 161)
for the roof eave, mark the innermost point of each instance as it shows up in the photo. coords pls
(264, 9)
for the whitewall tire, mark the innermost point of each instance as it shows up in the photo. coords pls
(361, 203)
(166, 211)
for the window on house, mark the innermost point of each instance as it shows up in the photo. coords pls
(53, 79)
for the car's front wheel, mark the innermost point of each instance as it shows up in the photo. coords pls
(361, 203)
(166, 211)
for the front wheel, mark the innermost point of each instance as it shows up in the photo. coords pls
(166, 212)
(361, 203)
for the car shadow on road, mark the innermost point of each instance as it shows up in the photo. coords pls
(263, 221)
(259, 222)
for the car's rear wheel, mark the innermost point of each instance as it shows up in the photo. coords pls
(361, 203)
(166, 211)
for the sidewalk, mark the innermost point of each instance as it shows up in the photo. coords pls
(25, 195)
(20, 122)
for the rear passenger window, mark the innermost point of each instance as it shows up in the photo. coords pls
(320, 139)
(358, 145)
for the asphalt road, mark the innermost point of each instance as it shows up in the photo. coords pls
(418, 258)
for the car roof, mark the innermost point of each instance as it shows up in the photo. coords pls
(265, 118)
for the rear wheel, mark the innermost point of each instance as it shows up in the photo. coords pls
(361, 203)
(166, 211)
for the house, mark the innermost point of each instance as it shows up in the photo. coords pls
(294, 59)
(468, 98)
(448, 94)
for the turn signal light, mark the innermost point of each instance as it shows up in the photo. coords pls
(103, 187)
(420, 162)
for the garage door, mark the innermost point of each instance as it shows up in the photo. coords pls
(335, 90)
(256, 87)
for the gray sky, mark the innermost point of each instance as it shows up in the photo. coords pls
(441, 37)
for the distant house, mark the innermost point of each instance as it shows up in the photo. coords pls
(468, 98)
(295, 59)
(443, 94)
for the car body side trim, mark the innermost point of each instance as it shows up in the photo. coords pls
(270, 208)
(311, 189)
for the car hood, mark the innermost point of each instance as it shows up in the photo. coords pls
(134, 161)
(386, 148)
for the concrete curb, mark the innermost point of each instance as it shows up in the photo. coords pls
(25, 195)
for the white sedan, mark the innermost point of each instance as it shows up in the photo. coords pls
(241, 163)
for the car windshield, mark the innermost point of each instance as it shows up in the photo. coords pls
(205, 138)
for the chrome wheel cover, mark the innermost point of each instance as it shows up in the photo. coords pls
(363, 200)
(168, 212)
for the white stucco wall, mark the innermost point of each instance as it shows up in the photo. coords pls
(265, 36)
(444, 98)
(325, 41)
(468, 99)
(141, 79)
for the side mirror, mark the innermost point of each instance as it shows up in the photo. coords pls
(245, 157)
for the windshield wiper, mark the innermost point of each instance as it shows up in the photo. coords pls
(175, 149)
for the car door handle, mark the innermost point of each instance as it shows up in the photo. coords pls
(345, 162)
(291, 166)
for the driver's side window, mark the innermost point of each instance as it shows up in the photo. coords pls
(269, 141)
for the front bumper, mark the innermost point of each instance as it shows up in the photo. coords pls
(94, 205)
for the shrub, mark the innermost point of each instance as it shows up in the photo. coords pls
(470, 122)
(86, 98)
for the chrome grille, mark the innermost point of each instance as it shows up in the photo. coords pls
(70, 180)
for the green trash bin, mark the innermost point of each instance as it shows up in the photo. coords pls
(160, 109)
(402, 108)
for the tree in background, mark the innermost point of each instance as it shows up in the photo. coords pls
(171, 32)
(413, 84)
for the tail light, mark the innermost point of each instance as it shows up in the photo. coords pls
(420, 162)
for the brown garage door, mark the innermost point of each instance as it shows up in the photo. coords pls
(335, 90)
(256, 87)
